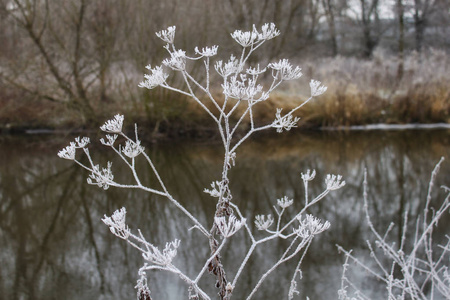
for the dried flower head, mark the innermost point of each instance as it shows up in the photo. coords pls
(283, 70)
(242, 89)
(309, 176)
(215, 189)
(311, 226)
(255, 71)
(68, 152)
(268, 31)
(177, 60)
(116, 223)
(207, 51)
(156, 78)
(132, 149)
(262, 223)
(285, 202)
(102, 178)
(113, 125)
(82, 142)
(230, 227)
(286, 122)
(245, 38)
(168, 35)
(316, 88)
(111, 139)
(230, 67)
(334, 182)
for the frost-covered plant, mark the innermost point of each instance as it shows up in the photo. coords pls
(241, 87)
(419, 270)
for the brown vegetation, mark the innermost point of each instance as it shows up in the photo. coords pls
(65, 64)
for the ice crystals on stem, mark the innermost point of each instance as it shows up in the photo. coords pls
(334, 182)
(262, 223)
(116, 223)
(316, 88)
(168, 35)
(286, 122)
(229, 228)
(143, 291)
(156, 78)
(101, 178)
(113, 125)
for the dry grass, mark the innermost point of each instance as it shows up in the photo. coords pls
(359, 92)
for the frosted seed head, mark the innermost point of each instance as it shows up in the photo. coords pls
(114, 125)
(207, 51)
(285, 202)
(215, 189)
(177, 60)
(156, 78)
(230, 227)
(132, 149)
(245, 38)
(116, 223)
(309, 176)
(316, 88)
(283, 70)
(262, 223)
(334, 182)
(110, 140)
(311, 226)
(268, 31)
(286, 122)
(68, 152)
(227, 69)
(101, 178)
(167, 35)
(255, 71)
(82, 142)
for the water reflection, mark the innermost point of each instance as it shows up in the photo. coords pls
(54, 246)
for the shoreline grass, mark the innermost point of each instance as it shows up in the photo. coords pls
(360, 92)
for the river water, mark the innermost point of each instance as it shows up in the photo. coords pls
(53, 244)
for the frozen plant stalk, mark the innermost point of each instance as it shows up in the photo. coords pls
(241, 87)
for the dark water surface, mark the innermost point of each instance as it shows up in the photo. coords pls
(53, 244)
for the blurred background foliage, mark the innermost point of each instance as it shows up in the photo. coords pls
(74, 63)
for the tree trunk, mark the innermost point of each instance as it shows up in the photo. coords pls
(401, 39)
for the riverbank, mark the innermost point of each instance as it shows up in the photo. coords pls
(360, 92)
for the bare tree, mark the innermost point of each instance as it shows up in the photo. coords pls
(369, 16)
(422, 11)
(329, 7)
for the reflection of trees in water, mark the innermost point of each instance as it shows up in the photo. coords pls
(55, 245)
